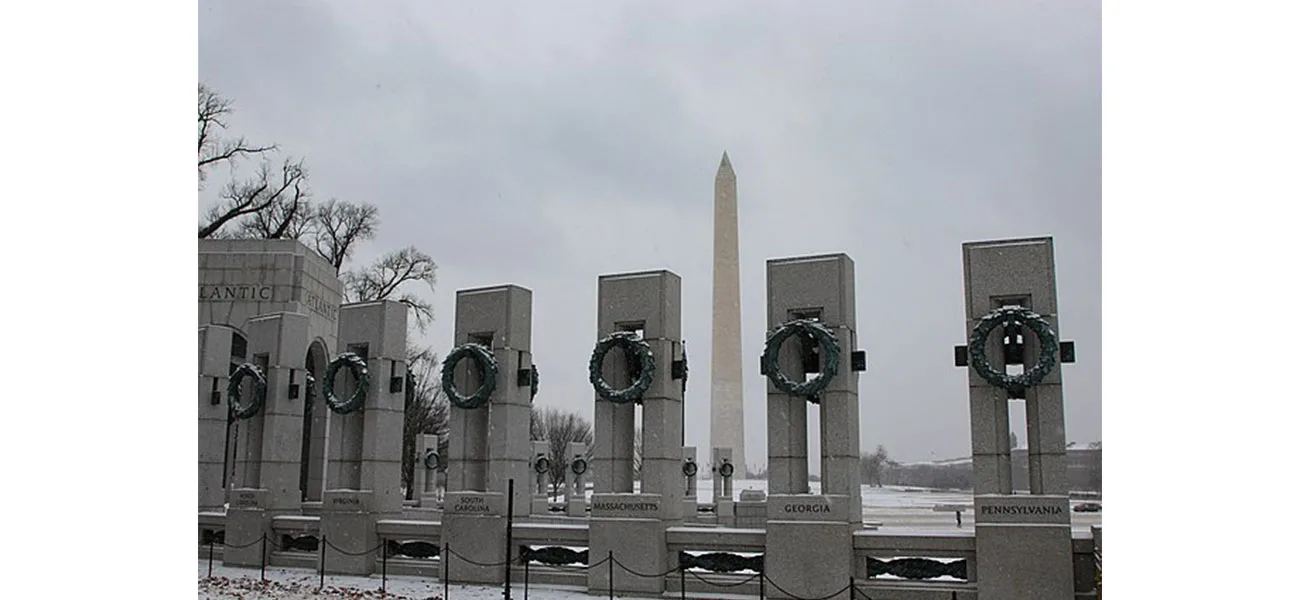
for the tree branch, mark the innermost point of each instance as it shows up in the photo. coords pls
(254, 195)
(212, 149)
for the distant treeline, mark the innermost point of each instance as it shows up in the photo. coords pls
(1083, 471)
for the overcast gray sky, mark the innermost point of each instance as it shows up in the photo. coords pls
(552, 142)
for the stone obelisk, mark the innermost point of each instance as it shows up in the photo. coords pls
(726, 399)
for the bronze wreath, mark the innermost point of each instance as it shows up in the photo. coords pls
(487, 366)
(239, 411)
(830, 348)
(359, 370)
(1008, 315)
(631, 343)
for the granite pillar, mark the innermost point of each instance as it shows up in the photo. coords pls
(575, 481)
(214, 409)
(633, 525)
(809, 536)
(489, 445)
(1022, 541)
(366, 444)
(269, 444)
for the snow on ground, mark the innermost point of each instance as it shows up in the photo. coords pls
(231, 583)
(899, 509)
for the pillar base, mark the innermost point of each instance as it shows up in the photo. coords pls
(246, 522)
(639, 544)
(474, 528)
(1023, 548)
(348, 526)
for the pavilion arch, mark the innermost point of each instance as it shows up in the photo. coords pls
(314, 423)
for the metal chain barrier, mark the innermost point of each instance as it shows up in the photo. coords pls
(474, 562)
(346, 553)
(229, 545)
(638, 574)
(797, 597)
(855, 592)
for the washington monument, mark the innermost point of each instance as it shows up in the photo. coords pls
(726, 400)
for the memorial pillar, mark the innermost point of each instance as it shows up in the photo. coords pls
(430, 463)
(214, 412)
(639, 331)
(365, 433)
(811, 316)
(489, 443)
(1022, 541)
(690, 472)
(269, 444)
(575, 480)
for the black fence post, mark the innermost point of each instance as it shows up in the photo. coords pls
(211, 540)
(383, 582)
(762, 585)
(853, 589)
(446, 569)
(263, 556)
(510, 516)
(526, 578)
(322, 562)
(611, 574)
(681, 570)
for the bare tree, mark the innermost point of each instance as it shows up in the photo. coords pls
(213, 148)
(384, 279)
(427, 410)
(257, 194)
(873, 465)
(290, 217)
(536, 426)
(340, 225)
(559, 428)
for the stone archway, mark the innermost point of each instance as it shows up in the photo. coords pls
(238, 356)
(312, 476)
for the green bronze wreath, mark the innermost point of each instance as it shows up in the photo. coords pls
(487, 367)
(726, 470)
(359, 370)
(632, 344)
(829, 345)
(1008, 315)
(238, 411)
(542, 465)
(579, 466)
(431, 459)
(689, 468)
(686, 367)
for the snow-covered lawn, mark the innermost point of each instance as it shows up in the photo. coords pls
(231, 583)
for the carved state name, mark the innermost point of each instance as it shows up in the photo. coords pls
(471, 505)
(646, 506)
(806, 508)
(1020, 510)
